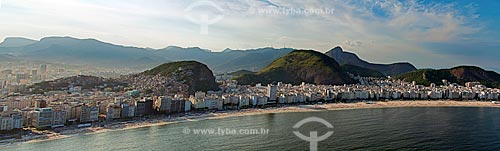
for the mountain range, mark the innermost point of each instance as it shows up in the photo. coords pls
(300, 66)
(93, 52)
(343, 58)
(70, 50)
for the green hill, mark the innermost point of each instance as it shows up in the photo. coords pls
(300, 66)
(458, 75)
(197, 75)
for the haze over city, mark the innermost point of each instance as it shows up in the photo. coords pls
(426, 33)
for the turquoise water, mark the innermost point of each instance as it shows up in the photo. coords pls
(425, 128)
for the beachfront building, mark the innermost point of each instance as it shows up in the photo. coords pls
(187, 106)
(144, 107)
(11, 120)
(58, 117)
(197, 103)
(140, 108)
(125, 109)
(272, 92)
(113, 111)
(177, 106)
(243, 101)
(262, 100)
(163, 104)
(214, 103)
(41, 117)
(453, 95)
(131, 110)
(254, 99)
(169, 105)
(89, 114)
(148, 106)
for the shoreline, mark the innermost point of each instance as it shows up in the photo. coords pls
(249, 112)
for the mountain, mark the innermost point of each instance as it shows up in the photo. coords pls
(101, 54)
(16, 42)
(300, 66)
(197, 75)
(460, 75)
(84, 51)
(344, 58)
(363, 72)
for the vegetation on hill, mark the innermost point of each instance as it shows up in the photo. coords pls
(460, 75)
(197, 75)
(300, 66)
(167, 69)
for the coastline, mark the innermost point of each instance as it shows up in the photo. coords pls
(249, 112)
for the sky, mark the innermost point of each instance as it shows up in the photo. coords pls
(427, 33)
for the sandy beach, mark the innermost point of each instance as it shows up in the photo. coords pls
(247, 112)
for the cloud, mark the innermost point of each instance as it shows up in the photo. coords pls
(353, 43)
(379, 30)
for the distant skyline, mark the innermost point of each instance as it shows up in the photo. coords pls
(427, 33)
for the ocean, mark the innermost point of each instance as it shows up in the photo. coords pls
(407, 128)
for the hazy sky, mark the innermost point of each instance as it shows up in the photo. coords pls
(426, 33)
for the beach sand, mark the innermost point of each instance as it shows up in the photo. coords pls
(247, 112)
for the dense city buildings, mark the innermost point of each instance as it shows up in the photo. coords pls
(94, 107)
